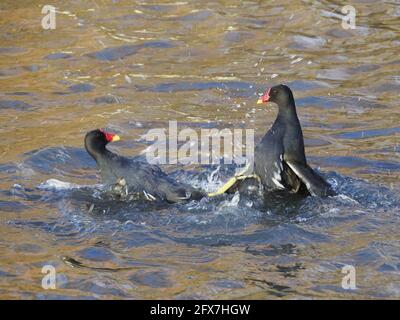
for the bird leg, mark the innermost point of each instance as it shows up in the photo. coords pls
(244, 174)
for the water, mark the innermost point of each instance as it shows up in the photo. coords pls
(132, 66)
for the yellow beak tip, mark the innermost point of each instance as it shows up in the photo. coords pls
(259, 101)
(116, 138)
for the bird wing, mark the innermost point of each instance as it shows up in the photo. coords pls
(172, 190)
(268, 160)
(155, 183)
(312, 180)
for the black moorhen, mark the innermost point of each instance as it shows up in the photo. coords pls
(279, 158)
(134, 175)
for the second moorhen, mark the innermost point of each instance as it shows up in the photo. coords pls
(135, 176)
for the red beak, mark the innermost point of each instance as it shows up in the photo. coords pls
(110, 137)
(264, 98)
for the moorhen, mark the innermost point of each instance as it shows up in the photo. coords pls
(135, 176)
(279, 158)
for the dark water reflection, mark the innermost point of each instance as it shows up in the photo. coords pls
(132, 66)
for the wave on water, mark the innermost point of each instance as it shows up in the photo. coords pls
(237, 210)
(55, 184)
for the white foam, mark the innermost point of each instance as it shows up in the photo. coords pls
(54, 184)
(346, 198)
(229, 203)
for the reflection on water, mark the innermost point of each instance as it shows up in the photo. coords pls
(134, 65)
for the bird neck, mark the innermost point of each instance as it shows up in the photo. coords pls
(287, 113)
(98, 153)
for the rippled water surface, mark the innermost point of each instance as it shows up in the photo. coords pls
(134, 65)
